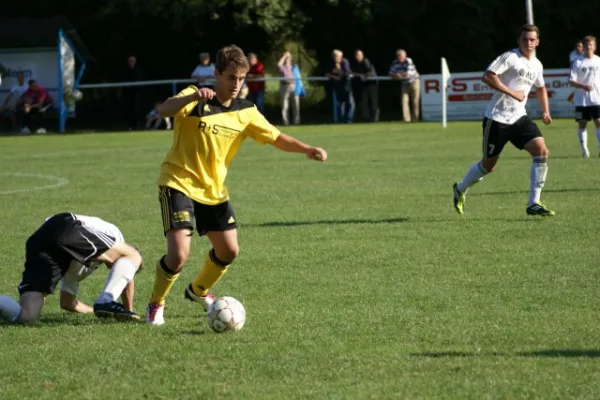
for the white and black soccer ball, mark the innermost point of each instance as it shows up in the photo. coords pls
(72, 96)
(226, 314)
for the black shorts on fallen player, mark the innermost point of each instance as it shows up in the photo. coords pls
(51, 249)
(590, 113)
(179, 211)
(497, 134)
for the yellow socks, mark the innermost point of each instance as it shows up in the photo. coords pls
(163, 281)
(212, 270)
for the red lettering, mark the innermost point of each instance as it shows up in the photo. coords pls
(458, 85)
(432, 84)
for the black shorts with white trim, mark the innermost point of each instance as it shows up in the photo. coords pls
(51, 249)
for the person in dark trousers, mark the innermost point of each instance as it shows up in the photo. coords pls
(131, 94)
(364, 87)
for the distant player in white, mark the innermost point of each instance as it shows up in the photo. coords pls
(512, 76)
(577, 52)
(585, 76)
(68, 248)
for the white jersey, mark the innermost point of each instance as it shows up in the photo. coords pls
(586, 71)
(518, 73)
(77, 271)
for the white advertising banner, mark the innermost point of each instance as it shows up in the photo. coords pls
(41, 65)
(467, 96)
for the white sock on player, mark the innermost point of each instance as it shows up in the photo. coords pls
(10, 310)
(474, 175)
(120, 274)
(582, 135)
(537, 178)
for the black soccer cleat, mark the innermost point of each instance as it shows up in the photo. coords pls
(540, 210)
(114, 310)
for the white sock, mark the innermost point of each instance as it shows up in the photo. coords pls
(120, 274)
(537, 178)
(10, 310)
(582, 135)
(474, 175)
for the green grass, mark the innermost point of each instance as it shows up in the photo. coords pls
(358, 278)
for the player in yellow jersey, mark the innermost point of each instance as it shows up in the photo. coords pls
(209, 128)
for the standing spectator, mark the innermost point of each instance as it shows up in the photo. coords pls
(339, 75)
(14, 99)
(36, 101)
(364, 87)
(204, 71)
(576, 53)
(131, 94)
(404, 70)
(287, 89)
(256, 90)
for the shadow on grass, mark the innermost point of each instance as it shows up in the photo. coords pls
(562, 353)
(510, 192)
(330, 222)
(544, 353)
(194, 332)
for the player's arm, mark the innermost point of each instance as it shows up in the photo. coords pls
(287, 143)
(171, 106)
(491, 79)
(542, 96)
(69, 302)
(127, 295)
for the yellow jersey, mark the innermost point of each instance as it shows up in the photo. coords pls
(206, 137)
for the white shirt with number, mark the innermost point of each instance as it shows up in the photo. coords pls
(518, 73)
(77, 271)
(587, 72)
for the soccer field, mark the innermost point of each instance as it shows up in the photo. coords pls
(358, 277)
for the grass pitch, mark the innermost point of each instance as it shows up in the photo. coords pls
(359, 279)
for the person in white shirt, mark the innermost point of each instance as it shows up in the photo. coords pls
(585, 76)
(14, 98)
(512, 76)
(67, 248)
(204, 72)
(577, 52)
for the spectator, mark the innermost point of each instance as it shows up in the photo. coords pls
(14, 99)
(364, 87)
(287, 89)
(131, 94)
(577, 52)
(339, 75)
(204, 72)
(404, 70)
(154, 118)
(256, 90)
(36, 101)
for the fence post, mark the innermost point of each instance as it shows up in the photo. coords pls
(174, 88)
(335, 107)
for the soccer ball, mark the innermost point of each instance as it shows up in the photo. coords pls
(77, 95)
(72, 96)
(226, 314)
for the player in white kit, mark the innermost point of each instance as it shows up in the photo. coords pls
(585, 76)
(68, 248)
(512, 76)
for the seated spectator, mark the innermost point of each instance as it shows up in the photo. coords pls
(14, 99)
(339, 75)
(154, 120)
(256, 90)
(36, 102)
(204, 72)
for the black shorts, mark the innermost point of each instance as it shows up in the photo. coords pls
(587, 113)
(51, 249)
(497, 134)
(178, 212)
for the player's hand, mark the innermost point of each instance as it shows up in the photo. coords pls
(317, 154)
(519, 95)
(204, 94)
(546, 119)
